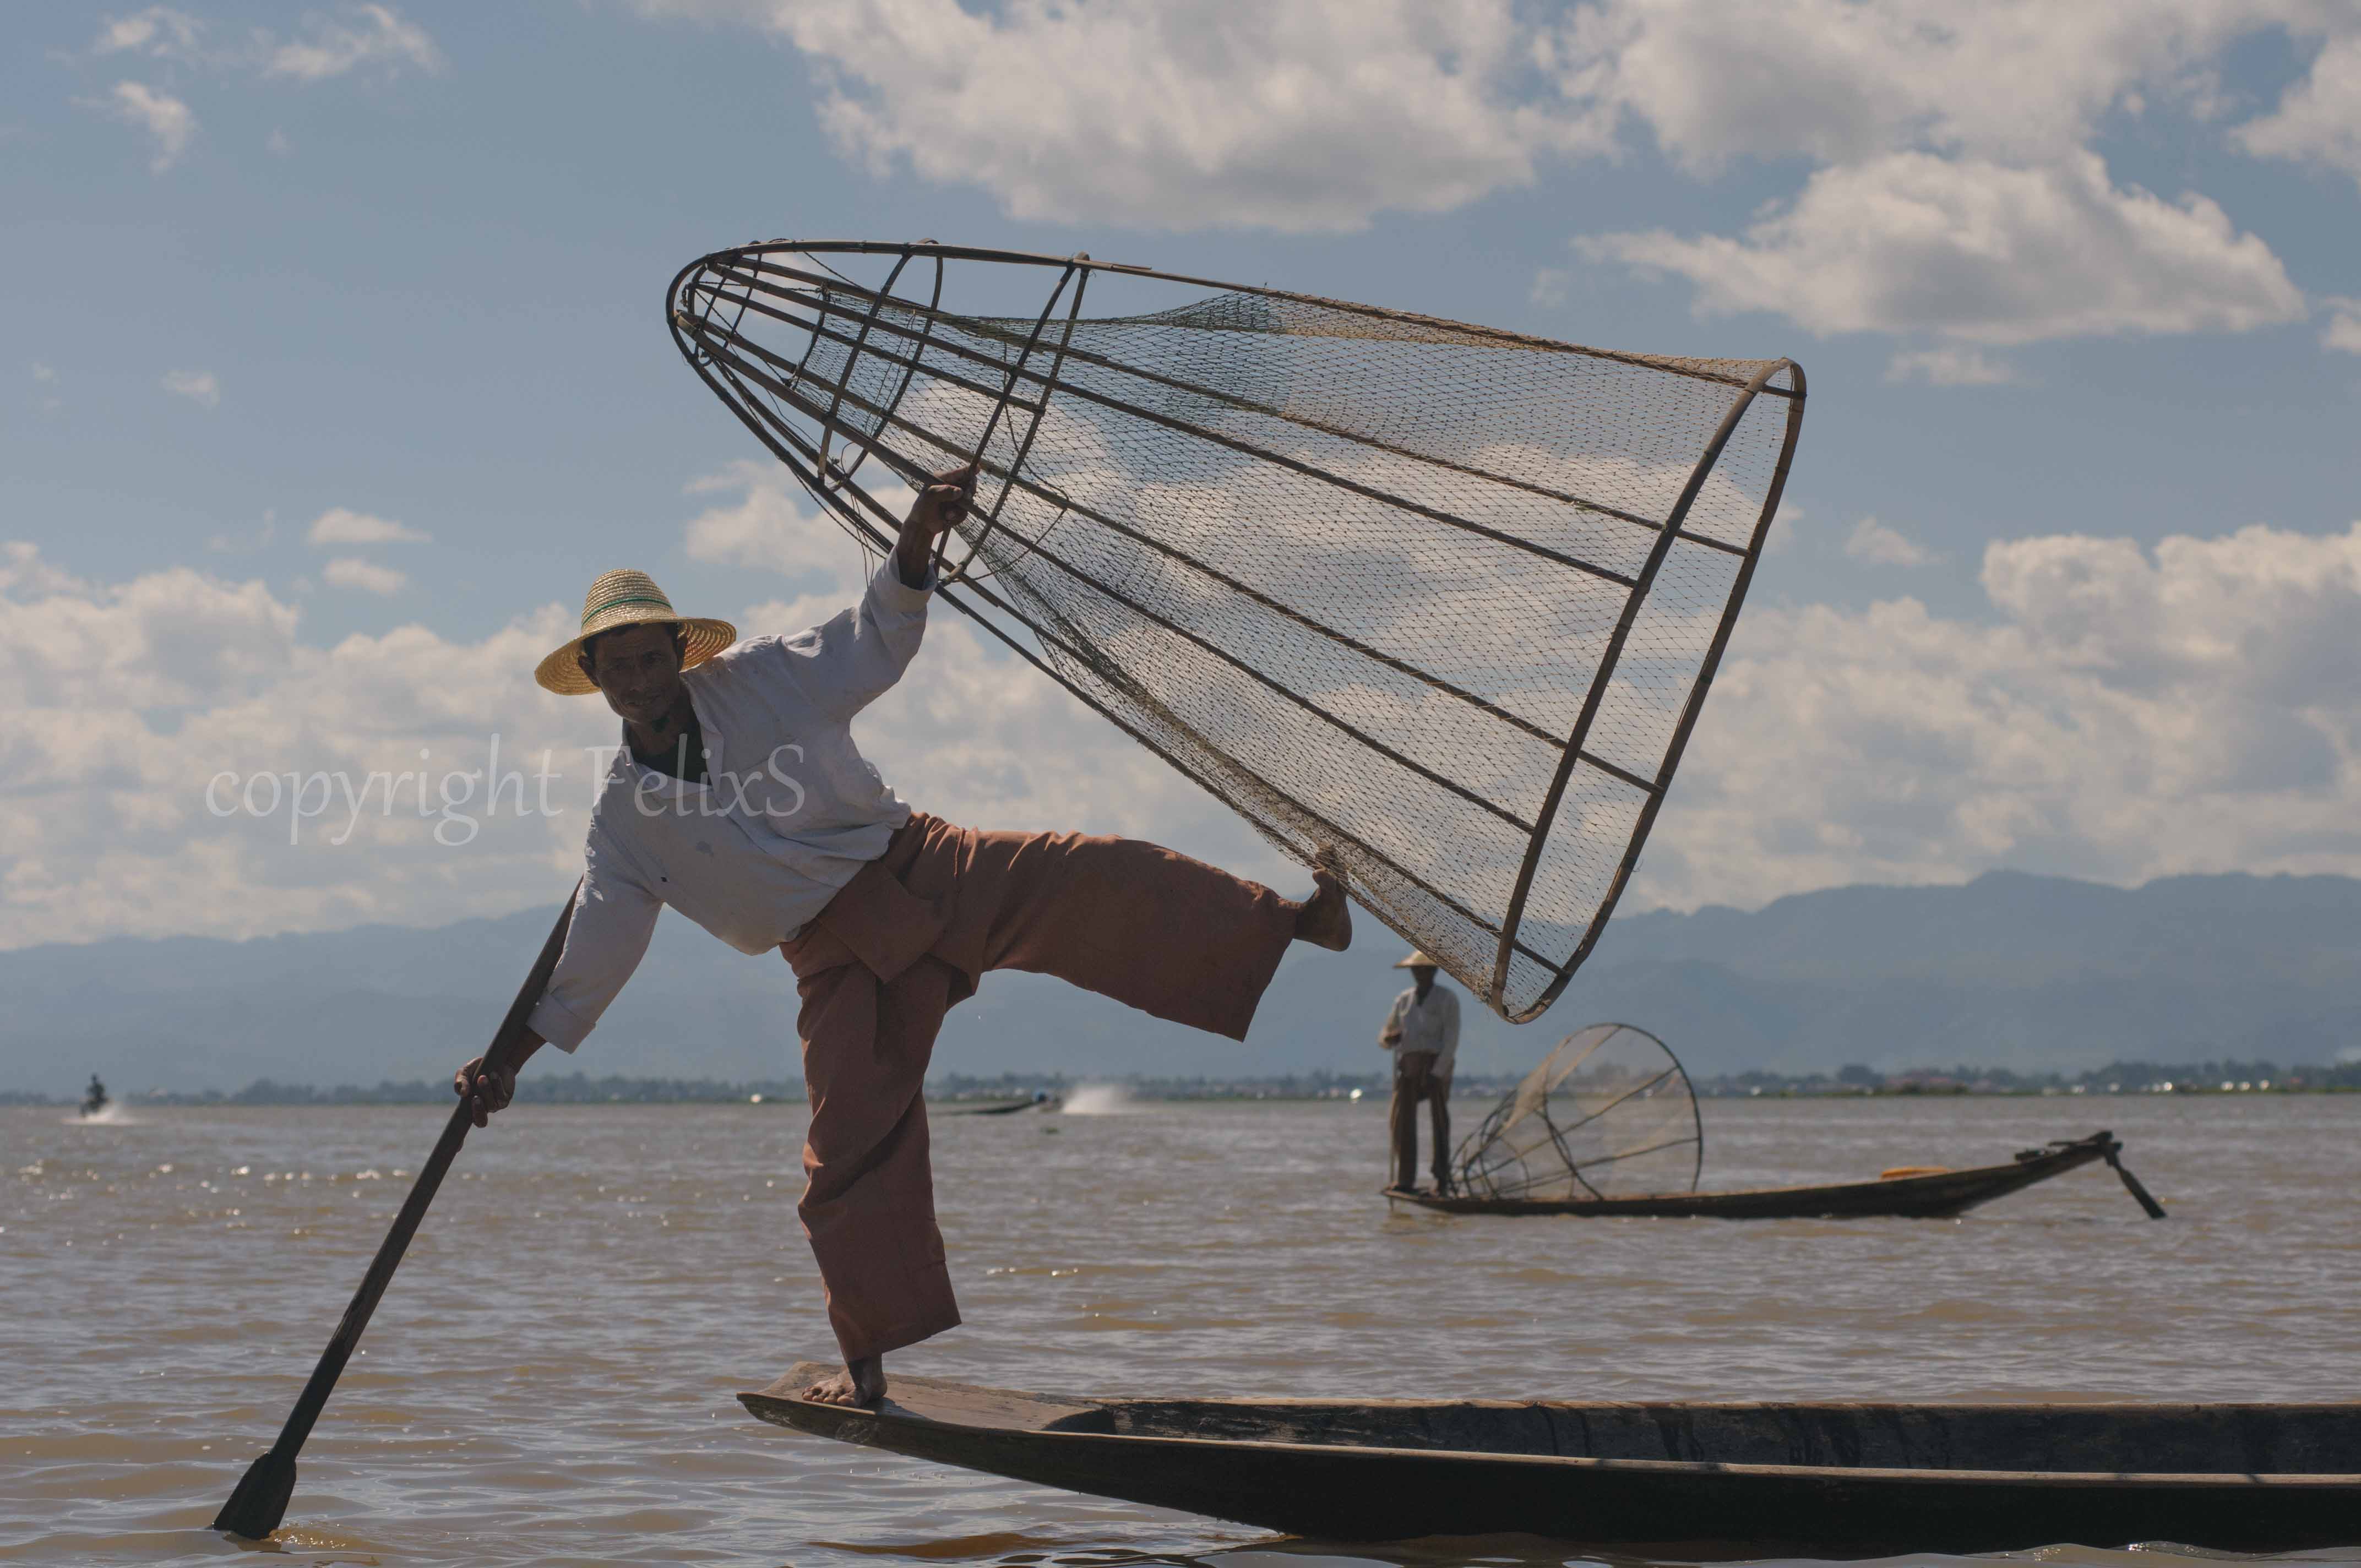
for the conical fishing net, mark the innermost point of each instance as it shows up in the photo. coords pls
(1441, 600)
(1608, 1114)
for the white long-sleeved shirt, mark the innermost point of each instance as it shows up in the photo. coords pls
(789, 810)
(1429, 1026)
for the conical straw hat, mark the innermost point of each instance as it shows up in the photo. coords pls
(1417, 960)
(627, 598)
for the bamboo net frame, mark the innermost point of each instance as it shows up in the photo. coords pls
(1609, 1114)
(1442, 600)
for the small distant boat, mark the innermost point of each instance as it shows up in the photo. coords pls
(1682, 1480)
(1913, 1194)
(1041, 1101)
(93, 1099)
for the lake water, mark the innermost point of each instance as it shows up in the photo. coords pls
(550, 1378)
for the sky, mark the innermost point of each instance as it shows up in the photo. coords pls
(336, 368)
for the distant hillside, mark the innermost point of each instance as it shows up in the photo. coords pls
(2008, 971)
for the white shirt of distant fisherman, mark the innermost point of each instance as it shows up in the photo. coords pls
(1429, 1026)
(790, 809)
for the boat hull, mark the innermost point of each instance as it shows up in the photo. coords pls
(1933, 1197)
(1367, 1474)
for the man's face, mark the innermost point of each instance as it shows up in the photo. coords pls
(1423, 977)
(637, 671)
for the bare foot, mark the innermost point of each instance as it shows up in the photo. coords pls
(861, 1382)
(1325, 920)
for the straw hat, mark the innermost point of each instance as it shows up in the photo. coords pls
(1417, 960)
(627, 598)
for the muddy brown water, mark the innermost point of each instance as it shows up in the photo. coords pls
(550, 1378)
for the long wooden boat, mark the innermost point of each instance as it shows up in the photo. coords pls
(1673, 1479)
(1933, 1195)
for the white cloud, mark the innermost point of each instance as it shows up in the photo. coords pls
(1845, 80)
(1980, 252)
(1875, 542)
(2121, 713)
(340, 525)
(1308, 116)
(24, 573)
(2344, 329)
(351, 572)
(2319, 119)
(2125, 714)
(166, 118)
(200, 387)
(43, 373)
(1949, 367)
(120, 702)
(766, 527)
(158, 30)
(370, 35)
(277, 144)
(364, 36)
(1956, 190)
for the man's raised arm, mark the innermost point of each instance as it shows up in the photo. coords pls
(850, 661)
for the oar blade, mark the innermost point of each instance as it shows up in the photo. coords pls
(255, 1510)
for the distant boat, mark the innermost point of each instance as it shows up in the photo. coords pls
(1042, 1100)
(1608, 1125)
(1659, 1479)
(1913, 1194)
(93, 1099)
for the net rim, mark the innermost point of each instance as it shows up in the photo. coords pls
(1695, 370)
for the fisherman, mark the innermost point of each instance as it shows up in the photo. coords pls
(739, 798)
(1421, 1029)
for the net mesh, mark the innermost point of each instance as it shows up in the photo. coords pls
(1608, 1114)
(1438, 599)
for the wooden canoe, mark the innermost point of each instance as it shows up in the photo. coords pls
(1672, 1479)
(1929, 1196)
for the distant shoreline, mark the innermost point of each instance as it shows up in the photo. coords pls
(2121, 1079)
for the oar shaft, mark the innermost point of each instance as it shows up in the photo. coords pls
(2132, 1185)
(414, 1208)
(380, 1274)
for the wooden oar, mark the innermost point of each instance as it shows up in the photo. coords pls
(255, 1510)
(2132, 1183)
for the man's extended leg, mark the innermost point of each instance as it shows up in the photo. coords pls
(1166, 934)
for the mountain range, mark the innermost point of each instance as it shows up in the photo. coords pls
(2011, 969)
